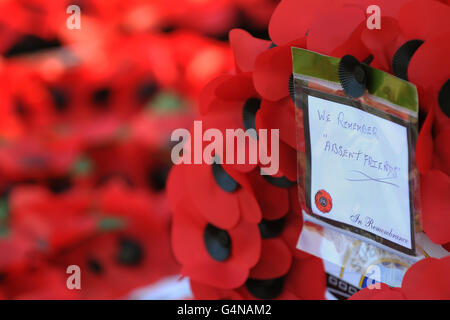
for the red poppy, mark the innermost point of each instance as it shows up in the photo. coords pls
(234, 104)
(428, 279)
(285, 25)
(434, 12)
(429, 70)
(28, 102)
(279, 241)
(222, 195)
(383, 43)
(209, 254)
(323, 201)
(246, 48)
(273, 69)
(37, 213)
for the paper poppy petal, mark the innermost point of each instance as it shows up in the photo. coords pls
(246, 48)
(388, 8)
(219, 207)
(384, 292)
(239, 87)
(307, 279)
(296, 196)
(249, 206)
(292, 19)
(208, 94)
(379, 42)
(273, 69)
(435, 13)
(246, 245)
(429, 69)
(428, 279)
(187, 236)
(279, 115)
(442, 151)
(175, 185)
(229, 116)
(275, 260)
(220, 275)
(291, 233)
(288, 164)
(274, 201)
(333, 29)
(435, 188)
(353, 45)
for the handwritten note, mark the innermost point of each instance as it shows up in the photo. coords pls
(359, 170)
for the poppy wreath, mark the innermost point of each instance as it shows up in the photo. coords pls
(212, 213)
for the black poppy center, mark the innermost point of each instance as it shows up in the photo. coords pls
(157, 178)
(95, 266)
(59, 184)
(130, 252)
(352, 76)
(223, 179)
(21, 109)
(271, 228)
(217, 242)
(101, 97)
(60, 98)
(323, 201)
(249, 111)
(29, 44)
(146, 90)
(444, 98)
(265, 289)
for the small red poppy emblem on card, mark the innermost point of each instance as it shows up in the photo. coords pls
(323, 201)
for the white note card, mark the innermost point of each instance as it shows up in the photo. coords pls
(360, 170)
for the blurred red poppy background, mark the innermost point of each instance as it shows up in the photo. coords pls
(86, 113)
